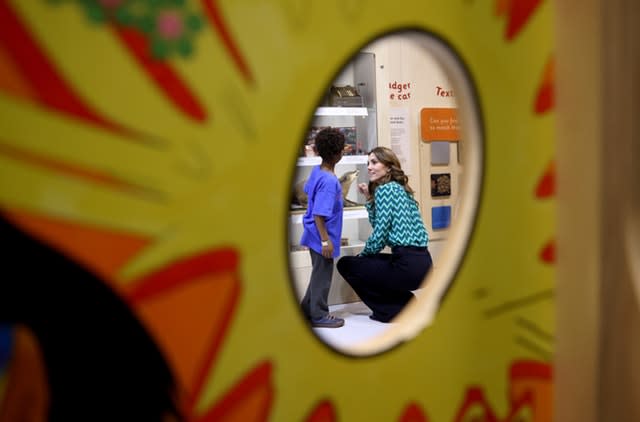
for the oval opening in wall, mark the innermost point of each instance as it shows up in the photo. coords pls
(408, 92)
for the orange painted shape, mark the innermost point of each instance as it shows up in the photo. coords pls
(533, 381)
(215, 16)
(249, 401)
(189, 321)
(27, 395)
(413, 413)
(502, 7)
(545, 99)
(521, 409)
(101, 250)
(11, 80)
(548, 253)
(475, 407)
(216, 261)
(69, 170)
(165, 77)
(519, 14)
(323, 412)
(530, 393)
(37, 67)
(547, 185)
(439, 124)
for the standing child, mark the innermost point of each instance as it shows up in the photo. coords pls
(323, 227)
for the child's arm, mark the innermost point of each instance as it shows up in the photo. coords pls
(327, 251)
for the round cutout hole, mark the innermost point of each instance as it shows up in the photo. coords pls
(407, 91)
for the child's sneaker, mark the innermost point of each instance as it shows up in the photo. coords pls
(328, 321)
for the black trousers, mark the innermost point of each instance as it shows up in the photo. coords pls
(385, 281)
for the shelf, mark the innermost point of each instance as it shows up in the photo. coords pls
(355, 213)
(342, 111)
(304, 253)
(351, 213)
(346, 160)
(358, 245)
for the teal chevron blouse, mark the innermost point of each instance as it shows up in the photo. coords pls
(395, 219)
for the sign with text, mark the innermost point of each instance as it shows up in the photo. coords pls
(439, 124)
(399, 131)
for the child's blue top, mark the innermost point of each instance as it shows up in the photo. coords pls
(325, 199)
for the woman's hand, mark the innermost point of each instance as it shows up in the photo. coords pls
(364, 189)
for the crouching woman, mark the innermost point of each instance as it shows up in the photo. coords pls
(385, 281)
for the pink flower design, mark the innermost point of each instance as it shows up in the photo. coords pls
(169, 24)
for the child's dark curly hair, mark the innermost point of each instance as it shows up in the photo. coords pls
(329, 143)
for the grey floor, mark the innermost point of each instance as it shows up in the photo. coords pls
(357, 327)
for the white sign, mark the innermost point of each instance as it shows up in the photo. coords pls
(399, 131)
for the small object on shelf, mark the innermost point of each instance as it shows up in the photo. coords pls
(310, 150)
(344, 241)
(350, 140)
(309, 147)
(297, 248)
(299, 197)
(345, 96)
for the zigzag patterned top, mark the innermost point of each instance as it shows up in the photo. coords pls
(395, 218)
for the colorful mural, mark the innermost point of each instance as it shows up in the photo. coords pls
(146, 149)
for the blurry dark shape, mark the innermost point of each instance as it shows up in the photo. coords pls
(101, 363)
(26, 390)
